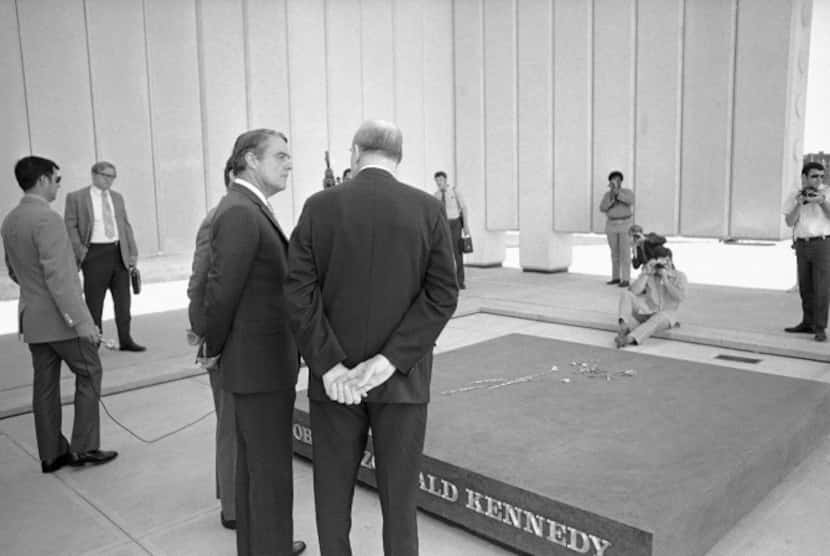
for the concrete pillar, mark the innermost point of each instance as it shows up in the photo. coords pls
(540, 248)
(470, 131)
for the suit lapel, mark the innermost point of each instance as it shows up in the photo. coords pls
(266, 210)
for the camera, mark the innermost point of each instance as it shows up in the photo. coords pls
(659, 266)
(808, 193)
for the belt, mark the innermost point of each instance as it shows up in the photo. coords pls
(809, 239)
(108, 244)
(619, 217)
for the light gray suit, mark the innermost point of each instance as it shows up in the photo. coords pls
(39, 258)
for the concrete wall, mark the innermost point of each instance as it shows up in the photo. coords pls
(526, 104)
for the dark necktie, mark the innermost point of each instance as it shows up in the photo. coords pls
(444, 202)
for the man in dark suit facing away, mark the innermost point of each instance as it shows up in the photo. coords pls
(246, 324)
(104, 245)
(370, 286)
(53, 319)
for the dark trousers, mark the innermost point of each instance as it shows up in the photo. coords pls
(104, 270)
(813, 259)
(455, 237)
(264, 481)
(225, 445)
(82, 358)
(340, 434)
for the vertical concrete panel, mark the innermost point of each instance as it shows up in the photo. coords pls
(267, 82)
(176, 123)
(120, 101)
(409, 88)
(572, 135)
(500, 114)
(377, 34)
(540, 248)
(224, 94)
(344, 82)
(708, 70)
(800, 26)
(613, 108)
(14, 141)
(657, 165)
(761, 85)
(439, 100)
(53, 36)
(307, 78)
(468, 39)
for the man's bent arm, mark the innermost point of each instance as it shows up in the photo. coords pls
(315, 337)
(431, 309)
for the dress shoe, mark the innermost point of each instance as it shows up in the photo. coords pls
(132, 346)
(624, 283)
(227, 523)
(821, 336)
(55, 464)
(612, 282)
(298, 548)
(800, 327)
(93, 457)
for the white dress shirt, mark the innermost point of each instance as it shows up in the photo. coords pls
(255, 191)
(99, 234)
(812, 221)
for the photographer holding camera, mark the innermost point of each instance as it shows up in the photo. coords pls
(652, 301)
(807, 211)
(618, 206)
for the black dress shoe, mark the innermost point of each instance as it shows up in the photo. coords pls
(227, 523)
(132, 346)
(821, 336)
(612, 282)
(800, 327)
(624, 283)
(93, 457)
(298, 548)
(55, 464)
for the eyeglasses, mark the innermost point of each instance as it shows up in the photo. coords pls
(814, 176)
(110, 176)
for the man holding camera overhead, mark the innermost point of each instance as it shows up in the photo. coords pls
(807, 211)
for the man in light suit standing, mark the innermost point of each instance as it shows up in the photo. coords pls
(53, 319)
(371, 284)
(246, 325)
(104, 246)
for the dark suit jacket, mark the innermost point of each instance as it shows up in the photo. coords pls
(80, 220)
(39, 258)
(198, 276)
(371, 270)
(246, 318)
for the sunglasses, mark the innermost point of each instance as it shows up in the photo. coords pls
(110, 176)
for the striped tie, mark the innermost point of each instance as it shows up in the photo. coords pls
(109, 219)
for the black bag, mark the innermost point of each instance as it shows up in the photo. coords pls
(135, 280)
(465, 242)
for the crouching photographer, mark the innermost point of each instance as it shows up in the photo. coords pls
(651, 302)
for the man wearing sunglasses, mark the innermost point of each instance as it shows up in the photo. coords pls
(104, 246)
(53, 319)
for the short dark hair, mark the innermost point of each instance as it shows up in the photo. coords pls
(614, 174)
(28, 170)
(440, 174)
(813, 165)
(253, 140)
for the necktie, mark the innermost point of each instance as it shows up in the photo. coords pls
(109, 219)
(444, 202)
